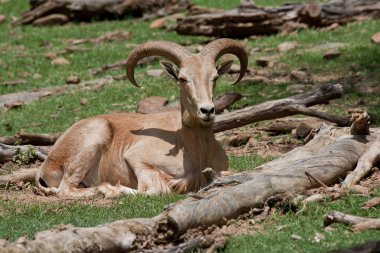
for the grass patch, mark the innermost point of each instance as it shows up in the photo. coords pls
(22, 57)
(26, 219)
(306, 225)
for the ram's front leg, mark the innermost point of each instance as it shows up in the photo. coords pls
(150, 180)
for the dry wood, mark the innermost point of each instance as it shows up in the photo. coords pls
(364, 166)
(51, 12)
(284, 107)
(7, 152)
(357, 223)
(25, 175)
(248, 19)
(328, 156)
(31, 139)
(286, 125)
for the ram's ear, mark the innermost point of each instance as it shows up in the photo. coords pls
(224, 67)
(170, 69)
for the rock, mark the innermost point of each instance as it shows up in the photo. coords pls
(50, 55)
(151, 104)
(287, 46)
(254, 80)
(60, 61)
(298, 75)
(83, 101)
(2, 18)
(376, 38)
(72, 80)
(158, 23)
(331, 54)
(154, 72)
(264, 62)
(50, 20)
(238, 140)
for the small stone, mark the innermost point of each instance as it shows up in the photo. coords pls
(298, 75)
(287, 46)
(331, 54)
(72, 80)
(264, 62)
(83, 101)
(60, 61)
(158, 23)
(376, 38)
(239, 139)
(154, 72)
(255, 80)
(296, 237)
(50, 55)
(151, 104)
(2, 18)
(37, 76)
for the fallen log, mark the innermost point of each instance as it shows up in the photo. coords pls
(25, 175)
(248, 20)
(57, 12)
(328, 157)
(286, 125)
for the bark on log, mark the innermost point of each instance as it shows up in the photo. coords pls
(250, 20)
(329, 156)
(43, 12)
(286, 125)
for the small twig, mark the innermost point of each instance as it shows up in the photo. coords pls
(316, 179)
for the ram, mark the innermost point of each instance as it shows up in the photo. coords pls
(126, 153)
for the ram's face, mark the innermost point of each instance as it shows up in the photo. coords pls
(196, 79)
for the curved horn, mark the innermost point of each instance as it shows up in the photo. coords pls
(170, 50)
(215, 49)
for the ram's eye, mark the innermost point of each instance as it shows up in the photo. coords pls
(182, 80)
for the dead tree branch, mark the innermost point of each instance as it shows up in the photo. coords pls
(357, 223)
(284, 107)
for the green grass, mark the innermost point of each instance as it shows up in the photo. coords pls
(306, 224)
(26, 219)
(57, 113)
